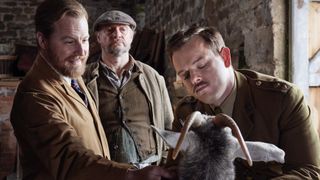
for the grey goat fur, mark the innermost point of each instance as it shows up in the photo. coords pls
(206, 157)
(208, 151)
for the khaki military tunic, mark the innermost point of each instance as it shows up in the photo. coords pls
(270, 110)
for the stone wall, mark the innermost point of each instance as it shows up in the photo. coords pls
(169, 16)
(254, 30)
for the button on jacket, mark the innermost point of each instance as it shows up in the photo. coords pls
(59, 137)
(270, 110)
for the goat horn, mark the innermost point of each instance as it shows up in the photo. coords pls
(188, 123)
(222, 120)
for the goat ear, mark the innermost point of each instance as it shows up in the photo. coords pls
(261, 151)
(171, 138)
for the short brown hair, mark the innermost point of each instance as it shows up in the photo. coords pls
(209, 33)
(51, 11)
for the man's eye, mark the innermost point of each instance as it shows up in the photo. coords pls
(201, 66)
(109, 30)
(69, 42)
(85, 40)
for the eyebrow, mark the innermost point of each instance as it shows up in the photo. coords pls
(74, 38)
(197, 60)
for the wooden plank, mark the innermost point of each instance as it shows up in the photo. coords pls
(314, 28)
(314, 102)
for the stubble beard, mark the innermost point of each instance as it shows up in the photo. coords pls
(117, 50)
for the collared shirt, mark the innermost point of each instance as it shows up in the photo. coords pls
(228, 104)
(67, 79)
(118, 82)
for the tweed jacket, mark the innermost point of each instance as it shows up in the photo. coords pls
(154, 88)
(59, 137)
(270, 110)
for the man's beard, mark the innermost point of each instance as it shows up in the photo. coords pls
(117, 50)
(66, 67)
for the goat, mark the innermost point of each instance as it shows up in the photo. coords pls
(210, 148)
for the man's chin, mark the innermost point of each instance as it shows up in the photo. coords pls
(74, 72)
(203, 98)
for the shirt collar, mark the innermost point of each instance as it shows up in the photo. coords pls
(127, 68)
(228, 104)
(67, 79)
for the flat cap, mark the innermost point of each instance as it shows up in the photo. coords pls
(114, 17)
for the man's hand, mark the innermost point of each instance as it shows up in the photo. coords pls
(150, 173)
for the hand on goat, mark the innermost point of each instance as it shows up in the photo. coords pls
(150, 173)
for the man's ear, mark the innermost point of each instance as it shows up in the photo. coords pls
(97, 34)
(225, 54)
(42, 40)
(171, 138)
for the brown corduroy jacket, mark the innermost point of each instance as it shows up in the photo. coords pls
(270, 110)
(59, 137)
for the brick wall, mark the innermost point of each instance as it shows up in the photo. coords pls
(17, 24)
(171, 15)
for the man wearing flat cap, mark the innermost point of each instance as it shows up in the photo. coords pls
(130, 95)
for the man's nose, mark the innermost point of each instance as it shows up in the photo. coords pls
(81, 49)
(195, 77)
(116, 32)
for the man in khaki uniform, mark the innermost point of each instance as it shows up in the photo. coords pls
(54, 117)
(130, 95)
(265, 108)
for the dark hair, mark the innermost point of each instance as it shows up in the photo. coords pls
(209, 34)
(51, 11)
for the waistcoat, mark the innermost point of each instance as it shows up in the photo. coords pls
(125, 116)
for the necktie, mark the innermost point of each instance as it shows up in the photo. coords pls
(76, 87)
(217, 110)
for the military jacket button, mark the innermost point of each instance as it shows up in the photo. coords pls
(115, 147)
(258, 83)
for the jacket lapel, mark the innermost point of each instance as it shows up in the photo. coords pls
(95, 114)
(90, 78)
(57, 80)
(70, 92)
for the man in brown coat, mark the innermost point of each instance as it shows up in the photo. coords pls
(265, 108)
(54, 117)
